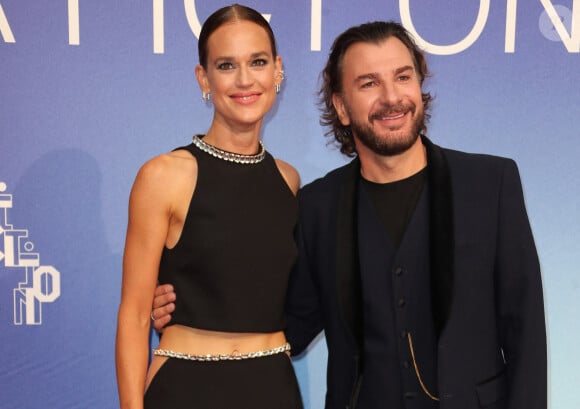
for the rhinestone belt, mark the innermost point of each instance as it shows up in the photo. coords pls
(235, 356)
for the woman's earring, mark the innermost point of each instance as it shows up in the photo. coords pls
(206, 96)
(278, 86)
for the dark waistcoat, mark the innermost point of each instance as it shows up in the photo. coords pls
(396, 302)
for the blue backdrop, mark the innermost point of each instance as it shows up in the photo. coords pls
(89, 90)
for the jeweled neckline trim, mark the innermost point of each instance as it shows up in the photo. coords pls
(230, 156)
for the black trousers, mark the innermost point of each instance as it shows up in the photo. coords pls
(258, 383)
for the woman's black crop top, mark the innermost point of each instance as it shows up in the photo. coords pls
(231, 264)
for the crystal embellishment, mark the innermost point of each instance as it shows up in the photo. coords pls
(236, 356)
(230, 156)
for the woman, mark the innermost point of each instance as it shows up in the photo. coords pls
(215, 219)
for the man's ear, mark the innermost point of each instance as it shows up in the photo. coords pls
(338, 103)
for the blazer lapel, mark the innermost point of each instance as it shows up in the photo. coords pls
(347, 264)
(441, 234)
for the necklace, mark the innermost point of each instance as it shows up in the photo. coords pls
(230, 156)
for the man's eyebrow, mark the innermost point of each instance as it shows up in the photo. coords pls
(367, 76)
(375, 75)
(404, 68)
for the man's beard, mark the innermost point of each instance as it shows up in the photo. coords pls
(397, 141)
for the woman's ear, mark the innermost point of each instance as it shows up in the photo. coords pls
(202, 79)
(278, 71)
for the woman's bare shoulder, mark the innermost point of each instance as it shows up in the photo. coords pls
(167, 172)
(290, 175)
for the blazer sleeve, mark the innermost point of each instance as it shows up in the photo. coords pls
(520, 299)
(304, 318)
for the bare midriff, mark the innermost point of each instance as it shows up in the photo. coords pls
(179, 338)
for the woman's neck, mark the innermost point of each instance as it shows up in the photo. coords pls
(239, 141)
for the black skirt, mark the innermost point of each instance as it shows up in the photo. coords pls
(257, 383)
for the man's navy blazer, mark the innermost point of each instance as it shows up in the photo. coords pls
(486, 288)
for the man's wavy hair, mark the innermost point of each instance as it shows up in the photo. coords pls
(376, 33)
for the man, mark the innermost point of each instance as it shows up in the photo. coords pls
(417, 261)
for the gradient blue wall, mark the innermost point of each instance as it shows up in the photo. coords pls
(89, 90)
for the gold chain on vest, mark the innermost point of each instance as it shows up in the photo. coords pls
(417, 369)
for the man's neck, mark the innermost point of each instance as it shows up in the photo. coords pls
(384, 169)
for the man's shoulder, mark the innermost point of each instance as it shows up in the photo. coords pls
(329, 182)
(468, 169)
(462, 159)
